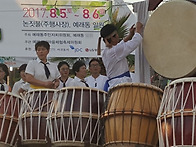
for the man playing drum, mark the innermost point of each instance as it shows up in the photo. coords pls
(41, 73)
(114, 55)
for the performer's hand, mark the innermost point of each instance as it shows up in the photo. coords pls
(49, 84)
(56, 83)
(139, 27)
(132, 30)
(131, 33)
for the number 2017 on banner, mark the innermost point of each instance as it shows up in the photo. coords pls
(55, 13)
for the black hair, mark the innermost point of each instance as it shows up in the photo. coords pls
(42, 43)
(62, 63)
(77, 66)
(5, 69)
(107, 30)
(22, 67)
(94, 59)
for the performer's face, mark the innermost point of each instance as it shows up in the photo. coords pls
(94, 68)
(113, 38)
(82, 72)
(64, 70)
(42, 52)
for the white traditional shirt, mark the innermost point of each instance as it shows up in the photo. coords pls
(6, 87)
(66, 83)
(17, 86)
(76, 82)
(115, 61)
(26, 86)
(36, 68)
(98, 82)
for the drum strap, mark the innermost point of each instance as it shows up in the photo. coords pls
(126, 74)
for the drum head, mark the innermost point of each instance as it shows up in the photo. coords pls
(169, 39)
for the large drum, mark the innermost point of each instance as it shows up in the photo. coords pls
(75, 117)
(176, 117)
(130, 118)
(169, 39)
(10, 105)
(33, 122)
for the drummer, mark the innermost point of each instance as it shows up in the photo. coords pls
(80, 71)
(41, 73)
(114, 55)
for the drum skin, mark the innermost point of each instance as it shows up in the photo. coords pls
(10, 105)
(75, 118)
(176, 118)
(169, 39)
(130, 118)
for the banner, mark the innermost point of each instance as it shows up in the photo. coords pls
(71, 27)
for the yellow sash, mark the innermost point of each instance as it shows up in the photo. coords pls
(37, 87)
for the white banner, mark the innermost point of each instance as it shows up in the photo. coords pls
(71, 27)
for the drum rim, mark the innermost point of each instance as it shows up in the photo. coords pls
(84, 88)
(181, 80)
(135, 85)
(10, 94)
(64, 88)
(32, 90)
(70, 142)
(125, 142)
(108, 114)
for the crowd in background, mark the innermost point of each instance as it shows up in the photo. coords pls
(76, 76)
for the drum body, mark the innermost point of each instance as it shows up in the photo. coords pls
(176, 117)
(10, 105)
(130, 118)
(75, 117)
(33, 123)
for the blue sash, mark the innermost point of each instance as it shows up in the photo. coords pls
(126, 74)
